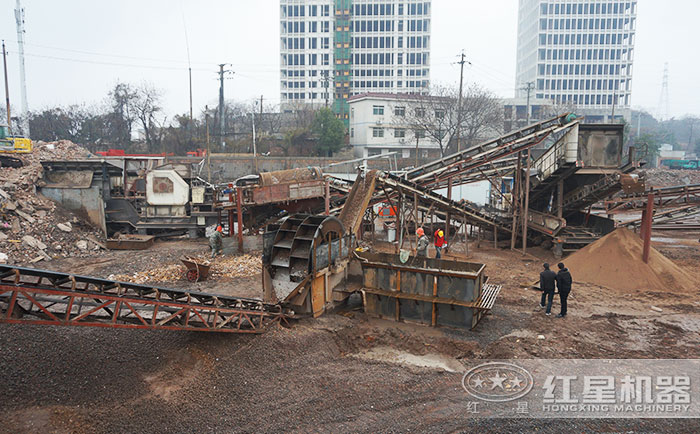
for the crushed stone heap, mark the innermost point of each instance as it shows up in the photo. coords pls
(615, 261)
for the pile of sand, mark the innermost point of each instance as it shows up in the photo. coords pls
(615, 261)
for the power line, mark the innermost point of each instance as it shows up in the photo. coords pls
(97, 62)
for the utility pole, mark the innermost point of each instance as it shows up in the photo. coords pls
(255, 152)
(639, 124)
(191, 117)
(528, 88)
(221, 102)
(690, 138)
(612, 116)
(206, 123)
(459, 100)
(7, 88)
(325, 85)
(19, 19)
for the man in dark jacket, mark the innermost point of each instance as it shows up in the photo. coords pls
(547, 285)
(564, 287)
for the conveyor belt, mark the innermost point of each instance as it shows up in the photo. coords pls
(33, 296)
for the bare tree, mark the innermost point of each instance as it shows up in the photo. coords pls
(482, 115)
(122, 117)
(147, 108)
(432, 116)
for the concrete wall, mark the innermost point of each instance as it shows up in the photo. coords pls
(251, 243)
(230, 167)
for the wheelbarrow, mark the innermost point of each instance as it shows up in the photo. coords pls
(196, 271)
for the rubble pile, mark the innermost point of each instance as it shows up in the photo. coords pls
(222, 268)
(32, 227)
(670, 178)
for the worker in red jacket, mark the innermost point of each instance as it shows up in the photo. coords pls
(440, 242)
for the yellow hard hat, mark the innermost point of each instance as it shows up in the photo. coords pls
(440, 232)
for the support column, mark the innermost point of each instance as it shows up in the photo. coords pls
(327, 194)
(515, 201)
(526, 202)
(239, 211)
(447, 218)
(399, 228)
(560, 198)
(647, 218)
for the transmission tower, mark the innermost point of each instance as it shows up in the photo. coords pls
(664, 102)
(19, 19)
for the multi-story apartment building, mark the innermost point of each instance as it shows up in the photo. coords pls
(333, 49)
(578, 54)
(382, 122)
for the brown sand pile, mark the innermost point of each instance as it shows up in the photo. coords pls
(615, 261)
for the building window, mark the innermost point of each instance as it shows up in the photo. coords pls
(420, 112)
(439, 113)
(378, 110)
(399, 132)
(352, 132)
(420, 134)
(400, 111)
(377, 132)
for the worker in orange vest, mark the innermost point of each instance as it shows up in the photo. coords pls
(440, 242)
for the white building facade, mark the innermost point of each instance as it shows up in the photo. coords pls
(578, 54)
(379, 124)
(331, 50)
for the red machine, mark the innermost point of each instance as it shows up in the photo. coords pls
(122, 153)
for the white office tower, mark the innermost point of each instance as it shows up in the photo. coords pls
(578, 55)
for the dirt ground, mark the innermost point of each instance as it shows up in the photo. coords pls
(329, 374)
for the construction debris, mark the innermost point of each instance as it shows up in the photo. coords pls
(668, 177)
(28, 228)
(615, 261)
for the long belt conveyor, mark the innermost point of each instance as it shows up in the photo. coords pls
(32, 296)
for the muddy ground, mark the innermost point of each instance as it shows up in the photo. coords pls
(330, 374)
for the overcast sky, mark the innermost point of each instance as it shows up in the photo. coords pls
(77, 49)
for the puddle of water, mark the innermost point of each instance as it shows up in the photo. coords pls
(432, 361)
(674, 241)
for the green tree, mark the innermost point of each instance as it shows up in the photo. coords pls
(329, 131)
(649, 144)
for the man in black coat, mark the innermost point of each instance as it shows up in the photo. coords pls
(564, 287)
(547, 285)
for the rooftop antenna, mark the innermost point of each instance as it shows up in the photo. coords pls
(19, 18)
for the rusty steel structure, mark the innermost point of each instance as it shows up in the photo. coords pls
(251, 201)
(425, 290)
(32, 296)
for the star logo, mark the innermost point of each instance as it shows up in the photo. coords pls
(517, 382)
(497, 380)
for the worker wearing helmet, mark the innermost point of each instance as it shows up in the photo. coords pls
(216, 241)
(422, 244)
(440, 242)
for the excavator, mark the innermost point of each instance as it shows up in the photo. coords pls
(10, 144)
